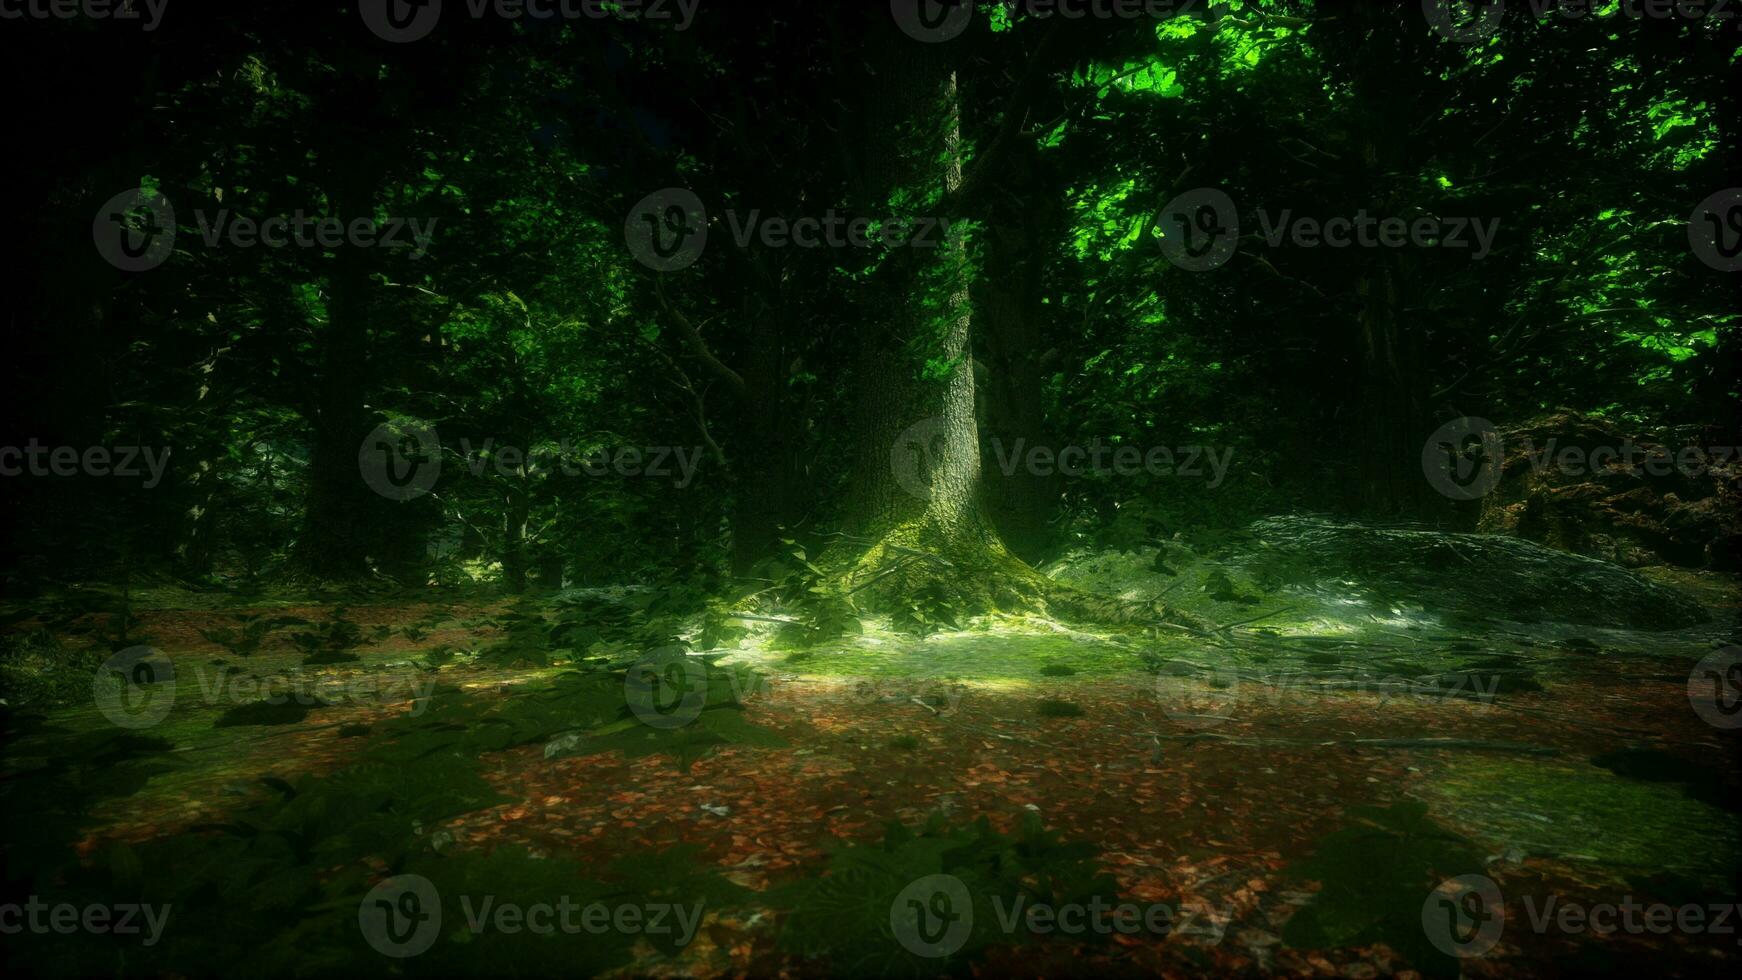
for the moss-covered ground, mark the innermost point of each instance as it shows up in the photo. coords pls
(498, 746)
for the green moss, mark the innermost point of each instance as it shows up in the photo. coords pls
(1578, 812)
(993, 652)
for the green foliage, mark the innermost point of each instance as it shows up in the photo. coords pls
(720, 629)
(530, 640)
(36, 668)
(928, 609)
(824, 617)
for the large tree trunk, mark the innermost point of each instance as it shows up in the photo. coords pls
(916, 515)
(917, 481)
(1393, 375)
(336, 533)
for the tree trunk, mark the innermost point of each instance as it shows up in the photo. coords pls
(338, 534)
(917, 485)
(334, 538)
(771, 477)
(1393, 404)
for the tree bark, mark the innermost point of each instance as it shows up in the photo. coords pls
(917, 477)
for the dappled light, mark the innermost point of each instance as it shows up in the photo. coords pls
(918, 488)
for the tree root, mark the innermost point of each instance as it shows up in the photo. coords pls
(984, 578)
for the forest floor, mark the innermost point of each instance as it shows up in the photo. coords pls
(1563, 765)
